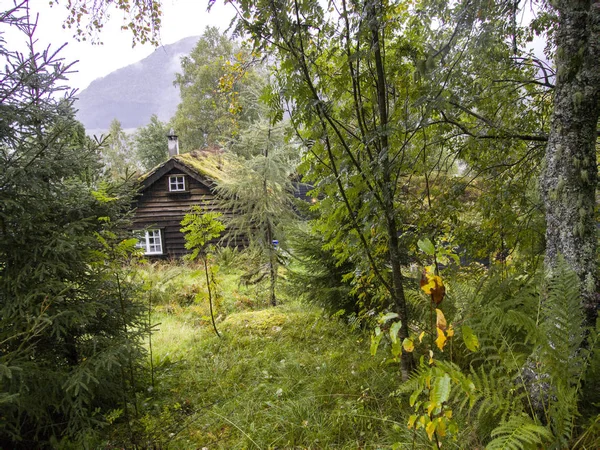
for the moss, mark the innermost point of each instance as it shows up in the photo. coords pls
(208, 164)
(560, 186)
(577, 99)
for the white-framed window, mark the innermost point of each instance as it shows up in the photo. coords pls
(150, 241)
(177, 183)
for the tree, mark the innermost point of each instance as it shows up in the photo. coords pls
(141, 17)
(70, 333)
(218, 88)
(258, 189)
(341, 79)
(150, 143)
(560, 116)
(117, 152)
(200, 228)
(570, 176)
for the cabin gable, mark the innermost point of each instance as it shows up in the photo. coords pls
(162, 204)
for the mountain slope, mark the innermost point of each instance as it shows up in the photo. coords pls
(135, 92)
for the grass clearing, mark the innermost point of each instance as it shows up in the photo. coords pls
(283, 377)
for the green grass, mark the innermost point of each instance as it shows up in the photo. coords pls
(283, 377)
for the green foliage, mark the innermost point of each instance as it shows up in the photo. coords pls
(218, 89)
(141, 17)
(201, 229)
(70, 330)
(116, 152)
(519, 432)
(150, 143)
(316, 274)
(258, 188)
(525, 382)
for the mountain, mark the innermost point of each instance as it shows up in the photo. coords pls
(135, 92)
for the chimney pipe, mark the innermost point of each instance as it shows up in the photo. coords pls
(173, 143)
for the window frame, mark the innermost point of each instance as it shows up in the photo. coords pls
(144, 237)
(174, 184)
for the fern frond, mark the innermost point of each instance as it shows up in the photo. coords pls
(519, 432)
(496, 394)
(563, 328)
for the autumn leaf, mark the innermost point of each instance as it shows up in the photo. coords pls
(411, 421)
(450, 331)
(408, 345)
(441, 339)
(434, 286)
(421, 336)
(440, 319)
(430, 429)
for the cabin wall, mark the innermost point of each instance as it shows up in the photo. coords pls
(159, 208)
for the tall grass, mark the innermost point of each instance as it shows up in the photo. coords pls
(284, 377)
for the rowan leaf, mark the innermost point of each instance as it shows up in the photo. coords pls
(375, 340)
(430, 429)
(470, 339)
(388, 316)
(440, 319)
(408, 345)
(411, 421)
(441, 339)
(426, 246)
(394, 331)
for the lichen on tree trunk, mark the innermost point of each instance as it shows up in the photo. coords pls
(569, 179)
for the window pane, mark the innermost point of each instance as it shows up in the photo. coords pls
(177, 183)
(150, 241)
(154, 243)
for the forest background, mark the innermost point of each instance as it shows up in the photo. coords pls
(454, 221)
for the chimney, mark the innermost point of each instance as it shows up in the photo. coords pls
(173, 143)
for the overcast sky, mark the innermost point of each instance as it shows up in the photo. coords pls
(181, 18)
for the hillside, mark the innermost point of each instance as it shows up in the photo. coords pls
(135, 92)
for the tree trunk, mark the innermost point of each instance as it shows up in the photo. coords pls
(272, 266)
(570, 175)
(387, 193)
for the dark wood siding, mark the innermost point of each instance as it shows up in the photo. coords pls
(158, 208)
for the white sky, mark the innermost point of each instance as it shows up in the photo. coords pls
(181, 18)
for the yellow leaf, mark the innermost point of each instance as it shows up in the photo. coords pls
(440, 319)
(430, 358)
(408, 345)
(430, 429)
(441, 426)
(448, 414)
(441, 339)
(450, 331)
(411, 421)
(421, 336)
(430, 407)
(434, 286)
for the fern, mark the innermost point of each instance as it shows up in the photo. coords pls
(519, 432)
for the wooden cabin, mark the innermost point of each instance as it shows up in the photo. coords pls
(167, 193)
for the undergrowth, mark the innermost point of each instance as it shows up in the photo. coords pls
(284, 377)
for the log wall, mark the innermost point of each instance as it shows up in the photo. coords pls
(159, 208)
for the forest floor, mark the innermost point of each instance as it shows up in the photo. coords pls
(279, 377)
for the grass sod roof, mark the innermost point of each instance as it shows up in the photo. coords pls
(205, 165)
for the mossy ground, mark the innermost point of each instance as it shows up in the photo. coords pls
(282, 377)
